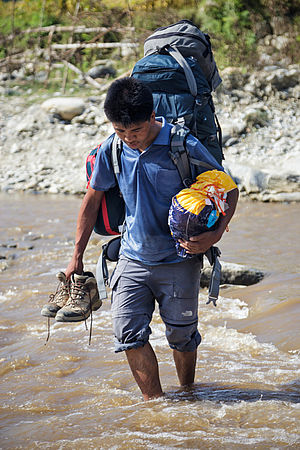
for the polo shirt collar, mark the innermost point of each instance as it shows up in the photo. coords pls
(164, 135)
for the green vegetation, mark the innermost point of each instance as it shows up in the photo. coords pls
(235, 26)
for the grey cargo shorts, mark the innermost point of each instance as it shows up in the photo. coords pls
(136, 287)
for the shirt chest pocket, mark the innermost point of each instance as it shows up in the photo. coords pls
(167, 183)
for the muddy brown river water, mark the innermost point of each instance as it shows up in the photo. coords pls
(71, 395)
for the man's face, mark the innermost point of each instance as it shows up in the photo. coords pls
(139, 135)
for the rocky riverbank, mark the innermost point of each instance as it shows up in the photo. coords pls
(44, 146)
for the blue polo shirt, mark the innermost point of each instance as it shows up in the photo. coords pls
(148, 181)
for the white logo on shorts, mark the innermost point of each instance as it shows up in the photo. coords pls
(187, 313)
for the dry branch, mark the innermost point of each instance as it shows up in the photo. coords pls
(74, 29)
(89, 79)
(95, 45)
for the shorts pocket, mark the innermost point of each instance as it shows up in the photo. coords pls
(186, 283)
(179, 311)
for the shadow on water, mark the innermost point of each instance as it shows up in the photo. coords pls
(231, 394)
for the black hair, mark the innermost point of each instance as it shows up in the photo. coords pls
(128, 101)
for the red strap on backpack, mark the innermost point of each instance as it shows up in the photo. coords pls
(106, 218)
(90, 164)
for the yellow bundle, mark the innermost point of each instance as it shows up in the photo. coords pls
(196, 209)
(211, 186)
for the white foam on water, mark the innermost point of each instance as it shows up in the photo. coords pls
(8, 295)
(57, 220)
(227, 308)
(230, 340)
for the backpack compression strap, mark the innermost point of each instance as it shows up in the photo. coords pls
(173, 51)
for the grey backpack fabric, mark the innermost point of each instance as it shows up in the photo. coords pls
(189, 41)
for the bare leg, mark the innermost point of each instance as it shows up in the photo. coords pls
(185, 365)
(144, 367)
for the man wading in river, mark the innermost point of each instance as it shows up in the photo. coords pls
(149, 269)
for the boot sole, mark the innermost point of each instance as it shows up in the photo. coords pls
(47, 313)
(78, 318)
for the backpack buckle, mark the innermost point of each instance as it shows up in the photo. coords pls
(187, 182)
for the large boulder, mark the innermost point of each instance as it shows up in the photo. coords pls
(265, 185)
(247, 178)
(231, 273)
(64, 107)
(102, 71)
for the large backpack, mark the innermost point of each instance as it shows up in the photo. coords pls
(181, 72)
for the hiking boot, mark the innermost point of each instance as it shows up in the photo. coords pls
(59, 299)
(83, 299)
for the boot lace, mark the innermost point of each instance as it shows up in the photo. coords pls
(77, 294)
(61, 290)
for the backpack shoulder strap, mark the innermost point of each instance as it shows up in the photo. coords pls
(180, 157)
(116, 149)
(179, 154)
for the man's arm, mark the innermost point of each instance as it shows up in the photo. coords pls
(85, 223)
(201, 243)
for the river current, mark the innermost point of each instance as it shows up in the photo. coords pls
(67, 394)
